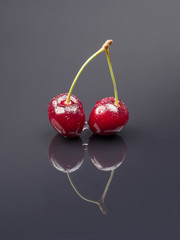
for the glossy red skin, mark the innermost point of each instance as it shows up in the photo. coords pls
(106, 118)
(67, 119)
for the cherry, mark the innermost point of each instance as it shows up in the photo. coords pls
(106, 118)
(65, 111)
(67, 119)
(66, 154)
(110, 114)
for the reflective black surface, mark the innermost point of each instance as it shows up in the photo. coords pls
(42, 46)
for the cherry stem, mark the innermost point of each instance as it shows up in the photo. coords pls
(103, 48)
(113, 78)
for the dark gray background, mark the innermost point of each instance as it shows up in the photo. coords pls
(42, 46)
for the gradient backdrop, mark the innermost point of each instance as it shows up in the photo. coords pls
(42, 46)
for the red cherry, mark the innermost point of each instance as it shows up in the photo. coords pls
(109, 114)
(107, 118)
(66, 118)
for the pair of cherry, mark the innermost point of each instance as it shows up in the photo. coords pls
(109, 115)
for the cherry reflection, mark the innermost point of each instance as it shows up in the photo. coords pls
(106, 153)
(66, 154)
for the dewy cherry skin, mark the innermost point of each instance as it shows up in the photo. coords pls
(67, 119)
(65, 111)
(110, 114)
(106, 118)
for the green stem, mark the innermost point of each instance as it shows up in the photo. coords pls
(80, 71)
(113, 78)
